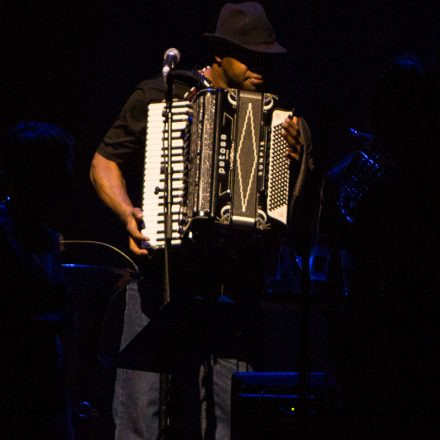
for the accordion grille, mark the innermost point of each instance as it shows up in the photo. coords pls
(278, 185)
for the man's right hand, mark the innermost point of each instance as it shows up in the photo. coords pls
(133, 222)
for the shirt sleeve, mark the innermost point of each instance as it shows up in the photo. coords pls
(127, 135)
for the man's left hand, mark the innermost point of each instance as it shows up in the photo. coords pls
(290, 132)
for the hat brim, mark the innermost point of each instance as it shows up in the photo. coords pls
(272, 48)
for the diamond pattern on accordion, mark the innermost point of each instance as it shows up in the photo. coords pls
(279, 169)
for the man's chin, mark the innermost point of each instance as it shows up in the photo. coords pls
(250, 85)
(253, 87)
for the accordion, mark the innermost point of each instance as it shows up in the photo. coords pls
(229, 164)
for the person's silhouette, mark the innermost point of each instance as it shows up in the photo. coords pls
(36, 166)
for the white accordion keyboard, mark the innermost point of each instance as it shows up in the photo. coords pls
(156, 156)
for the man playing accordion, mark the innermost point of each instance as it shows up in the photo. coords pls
(243, 47)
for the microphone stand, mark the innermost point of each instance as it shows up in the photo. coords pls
(168, 198)
(168, 187)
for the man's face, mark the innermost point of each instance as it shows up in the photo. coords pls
(243, 71)
(238, 75)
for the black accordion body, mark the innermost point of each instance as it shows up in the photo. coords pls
(229, 164)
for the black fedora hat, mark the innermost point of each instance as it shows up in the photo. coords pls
(246, 25)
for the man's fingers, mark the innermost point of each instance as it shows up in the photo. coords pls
(290, 139)
(136, 234)
(135, 248)
(292, 155)
(136, 238)
(133, 229)
(137, 213)
(290, 130)
(293, 152)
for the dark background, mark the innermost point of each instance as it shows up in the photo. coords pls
(74, 64)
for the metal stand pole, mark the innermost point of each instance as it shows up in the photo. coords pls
(168, 198)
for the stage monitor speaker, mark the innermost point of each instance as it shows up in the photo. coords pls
(268, 405)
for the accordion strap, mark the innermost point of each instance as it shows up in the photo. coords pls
(196, 77)
(301, 175)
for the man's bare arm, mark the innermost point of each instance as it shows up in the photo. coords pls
(109, 183)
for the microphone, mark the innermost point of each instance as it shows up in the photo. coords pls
(170, 59)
